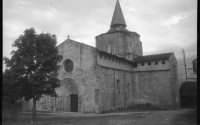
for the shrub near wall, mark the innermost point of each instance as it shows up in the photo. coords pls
(188, 94)
(11, 111)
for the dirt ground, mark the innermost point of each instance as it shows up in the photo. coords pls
(174, 117)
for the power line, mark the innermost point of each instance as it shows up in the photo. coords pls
(82, 12)
(150, 37)
(86, 3)
(184, 63)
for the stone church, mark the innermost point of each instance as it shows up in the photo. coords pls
(113, 75)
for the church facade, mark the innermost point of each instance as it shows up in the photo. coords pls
(113, 75)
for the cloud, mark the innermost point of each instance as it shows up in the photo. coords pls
(174, 19)
(164, 25)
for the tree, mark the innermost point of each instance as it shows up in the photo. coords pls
(11, 90)
(188, 93)
(34, 65)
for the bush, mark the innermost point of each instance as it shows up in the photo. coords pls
(146, 106)
(188, 94)
(11, 111)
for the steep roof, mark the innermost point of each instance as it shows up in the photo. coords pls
(153, 57)
(118, 17)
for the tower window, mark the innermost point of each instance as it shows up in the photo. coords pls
(135, 65)
(156, 63)
(163, 62)
(118, 85)
(111, 48)
(149, 63)
(137, 48)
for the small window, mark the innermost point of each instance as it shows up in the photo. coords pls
(142, 64)
(149, 63)
(135, 65)
(128, 86)
(163, 62)
(111, 48)
(156, 63)
(118, 86)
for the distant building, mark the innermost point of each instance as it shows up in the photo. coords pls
(113, 75)
(194, 62)
(192, 72)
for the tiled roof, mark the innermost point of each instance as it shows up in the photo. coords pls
(117, 29)
(118, 17)
(153, 57)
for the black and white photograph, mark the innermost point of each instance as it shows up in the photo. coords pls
(99, 62)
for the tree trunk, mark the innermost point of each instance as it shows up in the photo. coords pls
(34, 109)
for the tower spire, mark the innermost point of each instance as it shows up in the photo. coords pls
(118, 17)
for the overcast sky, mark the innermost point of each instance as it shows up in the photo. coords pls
(164, 25)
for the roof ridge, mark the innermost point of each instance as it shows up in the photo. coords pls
(159, 54)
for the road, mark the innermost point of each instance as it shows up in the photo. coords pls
(174, 117)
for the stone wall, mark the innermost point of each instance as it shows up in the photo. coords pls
(113, 62)
(126, 44)
(84, 60)
(102, 42)
(107, 82)
(154, 88)
(174, 82)
(152, 66)
(115, 90)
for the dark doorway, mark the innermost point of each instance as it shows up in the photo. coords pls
(74, 102)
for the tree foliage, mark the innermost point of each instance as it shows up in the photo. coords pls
(33, 67)
(188, 94)
(11, 90)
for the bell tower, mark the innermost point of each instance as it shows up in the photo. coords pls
(118, 40)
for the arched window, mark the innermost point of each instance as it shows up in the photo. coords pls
(118, 85)
(111, 48)
(128, 88)
(137, 49)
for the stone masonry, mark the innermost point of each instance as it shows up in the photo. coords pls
(113, 75)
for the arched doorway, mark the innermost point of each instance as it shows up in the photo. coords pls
(67, 99)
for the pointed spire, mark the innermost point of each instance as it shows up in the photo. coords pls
(118, 17)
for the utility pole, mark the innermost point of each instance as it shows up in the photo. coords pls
(184, 63)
